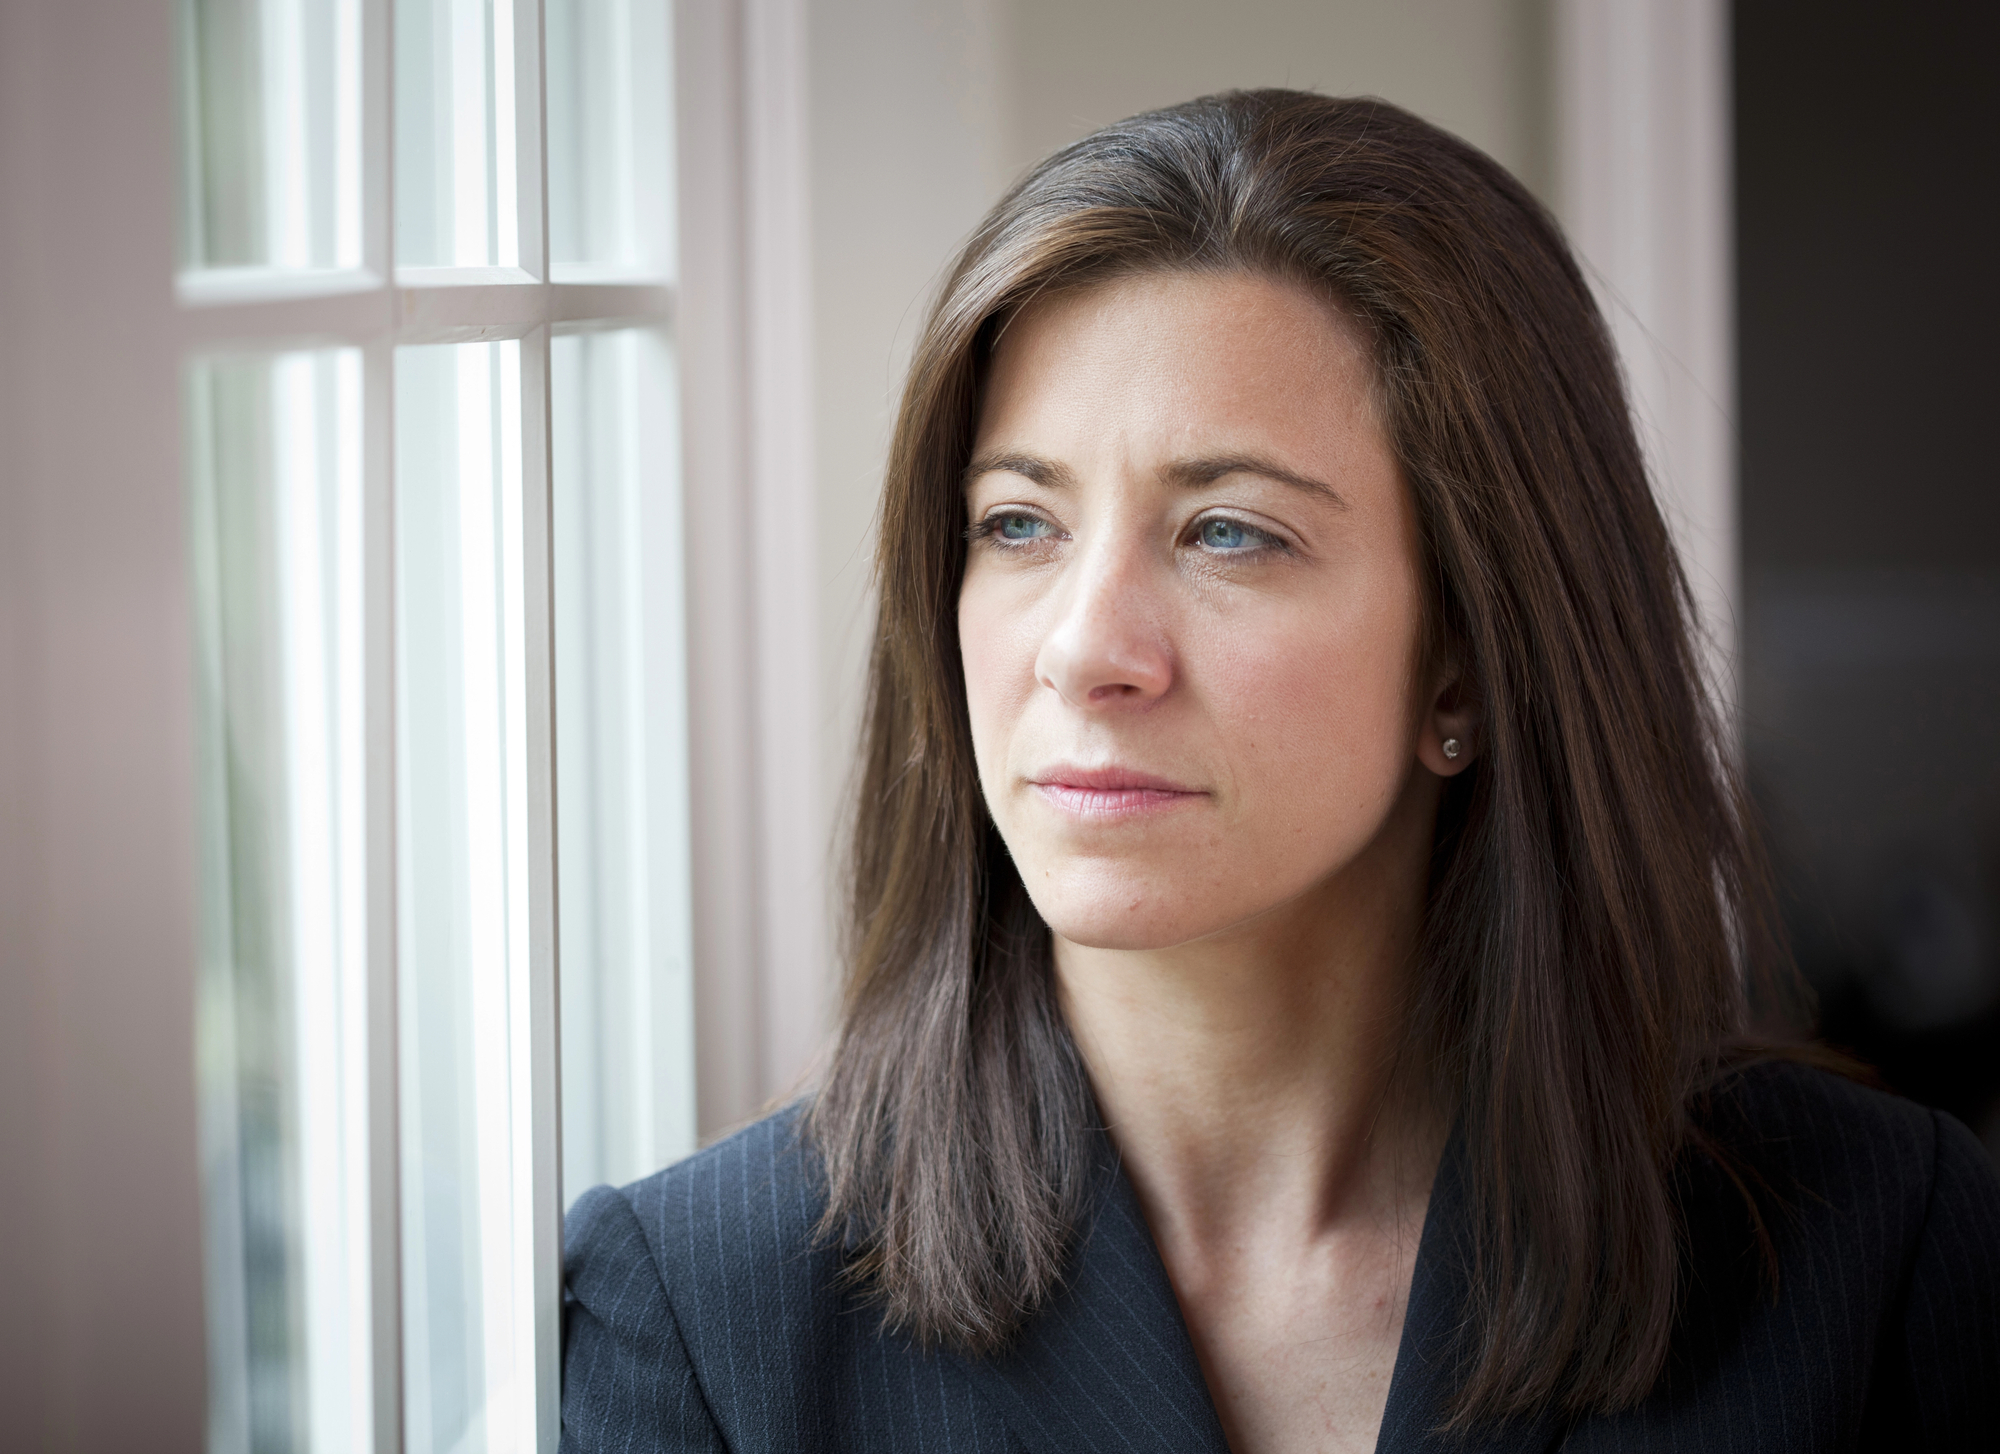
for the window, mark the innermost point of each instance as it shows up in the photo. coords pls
(434, 534)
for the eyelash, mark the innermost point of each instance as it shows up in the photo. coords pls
(988, 529)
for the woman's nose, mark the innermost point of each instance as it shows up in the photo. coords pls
(1108, 646)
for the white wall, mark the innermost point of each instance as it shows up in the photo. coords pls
(906, 154)
(1473, 66)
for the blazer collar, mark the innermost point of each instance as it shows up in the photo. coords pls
(1108, 1365)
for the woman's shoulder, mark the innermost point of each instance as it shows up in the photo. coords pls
(1838, 1167)
(1845, 1242)
(698, 1298)
(739, 1212)
(1793, 1124)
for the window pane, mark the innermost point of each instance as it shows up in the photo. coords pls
(621, 763)
(462, 902)
(611, 171)
(275, 540)
(455, 154)
(271, 133)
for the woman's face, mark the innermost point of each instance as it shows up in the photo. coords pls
(1191, 618)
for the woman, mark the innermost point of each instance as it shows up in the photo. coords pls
(1305, 932)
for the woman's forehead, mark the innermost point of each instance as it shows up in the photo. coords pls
(1182, 366)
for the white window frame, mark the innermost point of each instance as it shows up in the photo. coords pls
(378, 308)
(97, 794)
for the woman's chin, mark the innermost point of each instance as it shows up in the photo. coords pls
(1139, 916)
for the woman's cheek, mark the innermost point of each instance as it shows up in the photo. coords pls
(997, 656)
(1317, 727)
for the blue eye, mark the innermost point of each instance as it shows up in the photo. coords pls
(1217, 533)
(1020, 527)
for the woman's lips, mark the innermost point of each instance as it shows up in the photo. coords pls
(1109, 792)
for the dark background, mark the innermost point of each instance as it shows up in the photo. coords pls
(1868, 294)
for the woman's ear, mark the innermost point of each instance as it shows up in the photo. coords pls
(1448, 734)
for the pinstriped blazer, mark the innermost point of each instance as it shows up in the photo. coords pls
(700, 1315)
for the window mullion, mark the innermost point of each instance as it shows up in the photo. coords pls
(531, 136)
(457, 304)
(273, 323)
(378, 194)
(543, 1039)
(378, 97)
(384, 1097)
(545, 1071)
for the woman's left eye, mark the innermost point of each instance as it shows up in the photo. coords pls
(1231, 536)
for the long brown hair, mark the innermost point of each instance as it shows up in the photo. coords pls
(1595, 905)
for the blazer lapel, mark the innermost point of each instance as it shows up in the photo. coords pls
(1107, 1366)
(1429, 1358)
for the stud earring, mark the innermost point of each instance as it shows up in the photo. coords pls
(1451, 748)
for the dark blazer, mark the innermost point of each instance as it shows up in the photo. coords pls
(699, 1315)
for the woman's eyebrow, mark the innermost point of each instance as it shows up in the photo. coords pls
(1192, 474)
(1046, 472)
(1206, 469)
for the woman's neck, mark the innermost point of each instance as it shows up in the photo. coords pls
(1251, 1084)
(1249, 1078)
